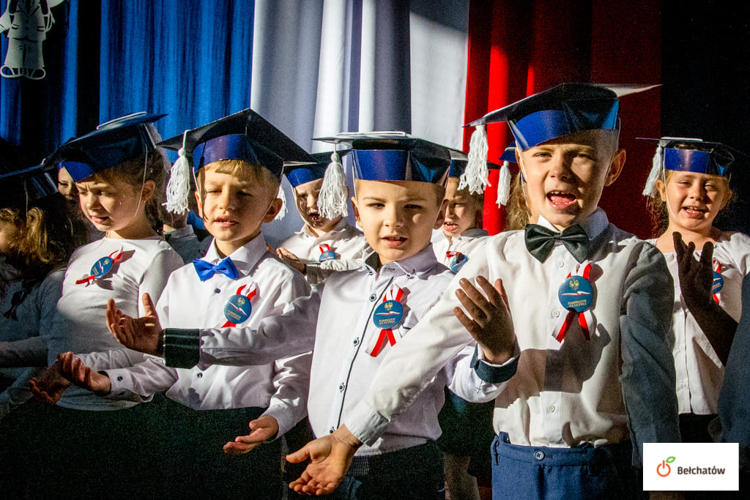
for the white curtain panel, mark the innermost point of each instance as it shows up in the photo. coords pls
(321, 67)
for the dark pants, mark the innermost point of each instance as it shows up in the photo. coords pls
(413, 473)
(528, 472)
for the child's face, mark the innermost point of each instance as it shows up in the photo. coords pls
(565, 176)
(235, 208)
(8, 232)
(397, 217)
(66, 185)
(113, 206)
(306, 197)
(460, 210)
(693, 200)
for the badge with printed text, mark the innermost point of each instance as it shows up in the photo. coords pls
(238, 307)
(718, 283)
(457, 261)
(388, 314)
(101, 267)
(576, 294)
(326, 253)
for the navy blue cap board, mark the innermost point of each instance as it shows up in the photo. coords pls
(509, 154)
(302, 173)
(21, 187)
(395, 156)
(459, 162)
(109, 145)
(690, 155)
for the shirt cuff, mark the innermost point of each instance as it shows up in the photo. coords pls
(493, 374)
(182, 348)
(365, 424)
(281, 413)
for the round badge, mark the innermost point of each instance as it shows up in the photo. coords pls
(238, 309)
(327, 255)
(718, 283)
(102, 267)
(576, 293)
(457, 262)
(388, 314)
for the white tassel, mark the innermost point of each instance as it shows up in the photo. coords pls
(178, 188)
(332, 197)
(503, 185)
(476, 173)
(282, 197)
(653, 176)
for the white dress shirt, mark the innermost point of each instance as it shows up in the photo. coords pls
(346, 241)
(464, 244)
(562, 394)
(187, 302)
(699, 371)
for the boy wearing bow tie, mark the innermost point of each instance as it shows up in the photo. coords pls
(575, 309)
(237, 283)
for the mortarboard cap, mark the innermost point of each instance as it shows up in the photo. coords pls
(244, 135)
(27, 185)
(689, 155)
(109, 145)
(302, 173)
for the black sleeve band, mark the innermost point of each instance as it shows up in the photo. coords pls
(493, 374)
(181, 347)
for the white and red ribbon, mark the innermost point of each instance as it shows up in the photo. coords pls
(249, 293)
(717, 268)
(116, 257)
(585, 318)
(386, 335)
(325, 247)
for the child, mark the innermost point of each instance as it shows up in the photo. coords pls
(689, 186)
(119, 174)
(360, 315)
(238, 180)
(587, 381)
(324, 245)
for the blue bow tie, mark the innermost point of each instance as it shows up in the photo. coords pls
(206, 271)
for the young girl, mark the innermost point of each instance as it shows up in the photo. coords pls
(119, 174)
(689, 185)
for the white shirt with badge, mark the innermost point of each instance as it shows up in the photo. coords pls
(455, 253)
(700, 373)
(268, 286)
(563, 393)
(341, 249)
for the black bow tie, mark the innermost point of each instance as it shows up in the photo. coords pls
(540, 241)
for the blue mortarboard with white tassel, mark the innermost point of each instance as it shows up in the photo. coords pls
(562, 110)
(460, 160)
(244, 136)
(684, 154)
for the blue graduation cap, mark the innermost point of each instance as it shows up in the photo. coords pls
(562, 110)
(21, 187)
(460, 160)
(509, 155)
(244, 135)
(689, 155)
(109, 145)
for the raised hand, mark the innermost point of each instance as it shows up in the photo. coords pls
(73, 369)
(140, 334)
(51, 384)
(262, 429)
(488, 319)
(330, 457)
(696, 276)
(291, 259)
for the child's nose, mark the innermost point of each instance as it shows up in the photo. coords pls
(393, 217)
(560, 167)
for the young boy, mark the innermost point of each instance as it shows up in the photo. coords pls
(361, 314)
(324, 245)
(238, 282)
(593, 372)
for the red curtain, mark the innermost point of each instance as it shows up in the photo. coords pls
(518, 48)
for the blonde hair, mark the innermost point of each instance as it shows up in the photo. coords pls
(517, 213)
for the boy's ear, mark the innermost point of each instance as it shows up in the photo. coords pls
(441, 214)
(200, 205)
(273, 210)
(662, 188)
(615, 168)
(354, 207)
(147, 191)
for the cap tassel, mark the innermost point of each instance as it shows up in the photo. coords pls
(178, 188)
(503, 185)
(332, 197)
(476, 174)
(653, 176)
(282, 197)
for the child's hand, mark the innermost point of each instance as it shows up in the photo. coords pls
(291, 259)
(696, 276)
(140, 334)
(51, 385)
(330, 457)
(73, 369)
(263, 429)
(489, 320)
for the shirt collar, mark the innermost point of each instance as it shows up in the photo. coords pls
(340, 226)
(594, 224)
(245, 258)
(180, 233)
(473, 233)
(418, 265)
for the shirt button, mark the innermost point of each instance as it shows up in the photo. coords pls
(539, 455)
(373, 297)
(342, 387)
(119, 379)
(356, 342)
(556, 313)
(551, 408)
(560, 264)
(331, 430)
(216, 290)
(199, 375)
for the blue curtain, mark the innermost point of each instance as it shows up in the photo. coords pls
(107, 58)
